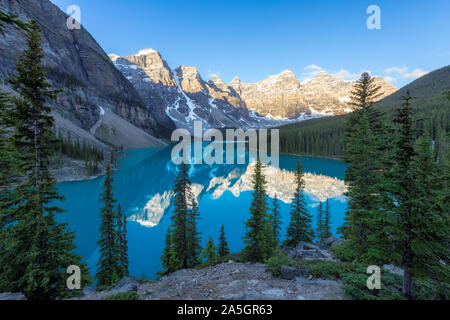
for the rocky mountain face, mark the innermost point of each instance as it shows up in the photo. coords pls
(283, 96)
(75, 63)
(181, 94)
(185, 97)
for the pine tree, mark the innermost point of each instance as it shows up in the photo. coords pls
(275, 220)
(366, 156)
(258, 235)
(37, 249)
(107, 265)
(223, 244)
(299, 228)
(320, 220)
(8, 163)
(193, 236)
(209, 254)
(180, 217)
(447, 94)
(122, 243)
(326, 227)
(169, 260)
(420, 230)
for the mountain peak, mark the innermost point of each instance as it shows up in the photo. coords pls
(217, 80)
(188, 72)
(288, 73)
(190, 79)
(235, 80)
(113, 56)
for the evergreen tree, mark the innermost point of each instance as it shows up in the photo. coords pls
(112, 159)
(258, 247)
(447, 94)
(107, 265)
(299, 228)
(420, 230)
(444, 173)
(320, 220)
(8, 163)
(275, 220)
(326, 226)
(193, 236)
(122, 243)
(36, 250)
(180, 232)
(209, 254)
(366, 156)
(169, 260)
(223, 245)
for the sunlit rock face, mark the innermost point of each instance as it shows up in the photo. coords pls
(153, 211)
(284, 96)
(279, 183)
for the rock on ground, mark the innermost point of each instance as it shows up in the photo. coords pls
(127, 284)
(330, 242)
(309, 251)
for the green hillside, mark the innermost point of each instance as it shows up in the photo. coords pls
(324, 137)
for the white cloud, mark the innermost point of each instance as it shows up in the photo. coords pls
(396, 73)
(398, 70)
(416, 73)
(312, 71)
(213, 74)
(313, 67)
(346, 75)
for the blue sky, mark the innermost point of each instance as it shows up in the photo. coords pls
(253, 39)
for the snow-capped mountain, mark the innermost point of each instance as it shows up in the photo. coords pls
(184, 97)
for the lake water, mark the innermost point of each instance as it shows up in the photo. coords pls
(143, 184)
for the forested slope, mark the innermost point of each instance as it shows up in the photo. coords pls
(324, 137)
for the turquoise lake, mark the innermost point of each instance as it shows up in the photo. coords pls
(143, 183)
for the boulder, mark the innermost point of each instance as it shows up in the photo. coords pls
(329, 242)
(309, 251)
